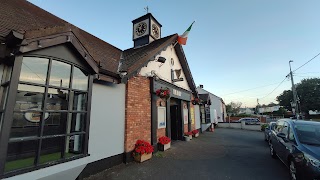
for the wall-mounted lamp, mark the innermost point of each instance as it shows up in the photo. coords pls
(161, 59)
(123, 73)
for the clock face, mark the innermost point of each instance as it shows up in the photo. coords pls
(155, 31)
(141, 28)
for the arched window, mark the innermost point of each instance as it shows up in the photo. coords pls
(50, 114)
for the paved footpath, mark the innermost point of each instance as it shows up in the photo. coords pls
(223, 154)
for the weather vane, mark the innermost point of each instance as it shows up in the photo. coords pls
(146, 9)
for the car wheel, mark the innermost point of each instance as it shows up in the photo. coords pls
(293, 171)
(272, 151)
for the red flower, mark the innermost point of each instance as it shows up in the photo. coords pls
(188, 133)
(163, 93)
(142, 147)
(195, 131)
(164, 140)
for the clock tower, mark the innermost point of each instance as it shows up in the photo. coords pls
(145, 30)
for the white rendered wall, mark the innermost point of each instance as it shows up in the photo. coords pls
(197, 116)
(164, 70)
(216, 109)
(107, 121)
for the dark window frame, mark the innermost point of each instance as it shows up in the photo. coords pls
(12, 83)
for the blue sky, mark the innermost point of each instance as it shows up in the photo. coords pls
(233, 46)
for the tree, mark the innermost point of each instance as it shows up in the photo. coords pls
(308, 91)
(285, 99)
(233, 107)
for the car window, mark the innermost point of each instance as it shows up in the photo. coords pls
(285, 129)
(279, 126)
(308, 134)
(291, 135)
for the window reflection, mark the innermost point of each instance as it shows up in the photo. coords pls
(57, 119)
(74, 145)
(20, 155)
(80, 79)
(25, 124)
(29, 97)
(55, 123)
(57, 99)
(51, 149)
(60, 74)
(79, 101)
(34, 70)
(76, 122)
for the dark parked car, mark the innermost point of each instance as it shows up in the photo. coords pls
(249, 121)
(268, 130)
(297, 144)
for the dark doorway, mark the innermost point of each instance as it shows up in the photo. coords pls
(176, 122)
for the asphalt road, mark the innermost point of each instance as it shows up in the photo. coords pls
(223, 154)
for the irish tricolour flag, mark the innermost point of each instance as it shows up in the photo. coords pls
(182, 39)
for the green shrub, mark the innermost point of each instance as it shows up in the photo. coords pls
(264, 126)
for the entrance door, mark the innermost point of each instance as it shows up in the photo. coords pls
(176, 122)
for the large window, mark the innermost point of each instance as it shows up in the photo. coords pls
(50, 114)
(5, 75)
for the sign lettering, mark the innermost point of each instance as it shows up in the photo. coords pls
(176, 92)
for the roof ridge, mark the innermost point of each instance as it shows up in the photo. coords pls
(68, 23)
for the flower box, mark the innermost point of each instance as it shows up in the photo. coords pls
(143, 151)
(163, 147)
(189, 134)
(187, 138)
(196, 135)
(142, 157)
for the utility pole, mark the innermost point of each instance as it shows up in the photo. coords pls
(295, 102)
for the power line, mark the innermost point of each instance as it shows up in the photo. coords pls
(275, 88)
(306, 62)
(250, 89)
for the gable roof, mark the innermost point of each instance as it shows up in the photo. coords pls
(206, 92)
(34, 22)
(134, 59)
(204, 97)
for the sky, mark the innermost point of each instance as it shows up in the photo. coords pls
(238, 50)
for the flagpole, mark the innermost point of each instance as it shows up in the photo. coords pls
(175, 44)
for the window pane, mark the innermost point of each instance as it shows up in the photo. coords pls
(51, 149)
(55, 124)
(74, 145)
(79, 101)
(25, 124)
(34, 70)
(57, 99)
(80, 80)
(21, 155)
(29, 97)
(76, 122)
(60, 74)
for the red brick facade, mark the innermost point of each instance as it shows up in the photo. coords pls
(138, 112)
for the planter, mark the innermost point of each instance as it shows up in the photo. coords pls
(164, 147)
(186, 138)
(196, 135)
(143, 157)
